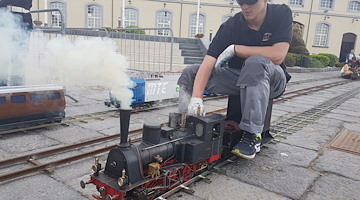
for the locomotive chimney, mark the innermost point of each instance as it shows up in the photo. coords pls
(124, 127)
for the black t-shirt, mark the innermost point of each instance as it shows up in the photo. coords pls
(27, 4)
(276, 28)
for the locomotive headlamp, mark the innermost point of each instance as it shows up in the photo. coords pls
(121, 180)
(96, 167)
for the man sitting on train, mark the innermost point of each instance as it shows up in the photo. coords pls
(243, 59)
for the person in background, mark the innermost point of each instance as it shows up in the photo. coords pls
(346, 71)
(350, 57)
(243, 59)
(16, 24)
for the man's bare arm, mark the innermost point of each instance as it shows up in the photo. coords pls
(203, 75)
(276, 53)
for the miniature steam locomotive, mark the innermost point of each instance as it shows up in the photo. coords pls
(166, 157)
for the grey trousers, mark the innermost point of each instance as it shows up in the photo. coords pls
(256, 82)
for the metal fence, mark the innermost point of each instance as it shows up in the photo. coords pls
(143, 48)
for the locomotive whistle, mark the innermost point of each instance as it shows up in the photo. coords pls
(198, 110)
(183, 120)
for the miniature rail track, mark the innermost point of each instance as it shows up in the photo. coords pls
(91, 116)
(311, 80)
(114, 112)
(278, 129)
(288, 126)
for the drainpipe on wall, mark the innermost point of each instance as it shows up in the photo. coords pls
(123, 14)
(307, 32)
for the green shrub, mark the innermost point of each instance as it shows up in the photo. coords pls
(324, 59)
(316, 63)
(332, 57)
(296, 42)
(134, 31)
(290, 61)
(299, 50)
(297, 58)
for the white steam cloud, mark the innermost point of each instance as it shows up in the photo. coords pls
(79, 62)
(13, 46)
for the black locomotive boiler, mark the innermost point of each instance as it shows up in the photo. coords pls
(166, 157)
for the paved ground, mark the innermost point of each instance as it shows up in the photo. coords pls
(300, 166)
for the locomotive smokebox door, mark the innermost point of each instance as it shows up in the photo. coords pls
(234, 113)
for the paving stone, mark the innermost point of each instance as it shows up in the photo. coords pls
(342, 117)
(86, 109)
(18, 143)
(72, 134)
(146, 117)
(273, 175)
(333, 187)
(311, 99)
(183, 196)
(4, 155)
(344, 164)
(226, 188)
(278, 113)
(313, 136)
(74, 169)
(329, 121)
(352, 126)
(98, 125)
(299, 104)
(37, 187)
(286, 108)
(289, 153)
(352, 112)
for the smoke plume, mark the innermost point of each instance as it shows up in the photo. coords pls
(61, 60)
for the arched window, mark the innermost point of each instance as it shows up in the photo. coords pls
(94, 16)
(327, 4)
(131, 17)
(201, 27)
(322, 34)
(55, 16)
(163, 20)
(354, 6)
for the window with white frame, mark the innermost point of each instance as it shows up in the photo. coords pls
(131, 17)
(326, 4)
(193, 24)
(94, 16)
(322, 33)
(56, 16)
(296, 2)
(354, 6)
(163, 20)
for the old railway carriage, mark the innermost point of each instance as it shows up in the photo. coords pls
(30, 105)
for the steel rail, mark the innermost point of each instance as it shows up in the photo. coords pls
(90, 116)
(42, 167)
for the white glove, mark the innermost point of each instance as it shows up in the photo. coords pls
(226, 55)
(196, 107)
